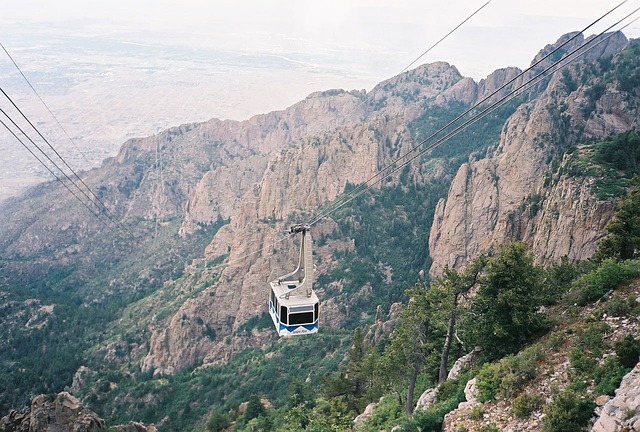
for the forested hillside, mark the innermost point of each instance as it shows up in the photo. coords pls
(167, 323)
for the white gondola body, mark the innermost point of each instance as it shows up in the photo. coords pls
(296, 315)
(293, 305)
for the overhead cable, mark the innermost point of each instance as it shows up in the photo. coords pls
(44, 103)
(95, 200)
(383, 172)
(476, 118)
(388, 170)
(97, 215)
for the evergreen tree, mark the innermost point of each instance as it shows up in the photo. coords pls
(218, 422)
(298, 394)
(254, 407)
(504, 312)
(445, 297)
(623, 241)
(415, 343)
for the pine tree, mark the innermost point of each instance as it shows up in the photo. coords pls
(504, 312)
(414, 344)
(445, 295)
(623, 241)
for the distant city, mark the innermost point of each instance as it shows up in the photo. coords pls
(105, 90)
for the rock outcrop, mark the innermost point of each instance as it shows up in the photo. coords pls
(488, 197)
(383, 326)
(62, 413)
(368, 412)
(297, 178)
(464, 363)
(622, 413)
(257, 175)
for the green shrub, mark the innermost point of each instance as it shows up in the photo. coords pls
(617, 306)
(628, 351)
(491, 427)
(567, 413)
(592, 338)
(218, 422)
(452, 388)
(555, 341)
(607, 276)
(558, 279)
(607, 378)
(385, 415)
(583, 364)
(476, 412)
(525, 404)
(430, 420)
(505, 378)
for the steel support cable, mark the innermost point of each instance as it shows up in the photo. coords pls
(97, 215)
(363, 185)
(542, 75)
(364, 101)
(54, 164)
(95, 200)
(445, 36)
(381, 172)
(43, 103)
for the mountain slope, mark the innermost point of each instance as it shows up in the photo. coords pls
(517, 192)
(158, 301)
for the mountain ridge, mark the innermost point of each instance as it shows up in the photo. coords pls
(200, 194)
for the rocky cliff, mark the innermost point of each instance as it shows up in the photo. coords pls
(518, 192)
(62, 413)
(296, 181)
(251, 179)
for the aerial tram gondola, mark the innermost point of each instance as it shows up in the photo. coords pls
(293, 305)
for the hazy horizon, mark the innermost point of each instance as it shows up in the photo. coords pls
(123, 69)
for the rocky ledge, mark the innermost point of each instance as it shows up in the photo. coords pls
(622, 413)
(62, 413)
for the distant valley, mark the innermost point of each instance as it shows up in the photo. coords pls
(105, 89)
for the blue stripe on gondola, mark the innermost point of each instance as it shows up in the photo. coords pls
(307, 327)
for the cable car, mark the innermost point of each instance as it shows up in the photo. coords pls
(293, 305)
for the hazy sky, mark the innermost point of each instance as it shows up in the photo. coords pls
(392, 32)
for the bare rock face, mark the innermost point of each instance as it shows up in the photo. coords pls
(575, 216)
(383, 325)
(487, 197)
(426, 399)
(62, 413)
(65, 411)
(622, 413)
(15, 422)
(368, 412)
(495, 81)
(464, 363)
(80, 379)
(306, 172)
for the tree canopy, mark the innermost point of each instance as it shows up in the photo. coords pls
(503, 314)
(623, 241)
